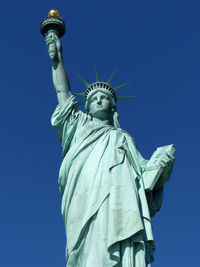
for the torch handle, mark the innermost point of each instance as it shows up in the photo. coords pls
(52, 49)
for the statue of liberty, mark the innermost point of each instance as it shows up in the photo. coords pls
(107, 204)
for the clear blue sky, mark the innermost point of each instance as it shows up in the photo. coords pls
(156, 45)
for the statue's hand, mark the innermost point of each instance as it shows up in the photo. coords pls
(54, 46)
(166, 163)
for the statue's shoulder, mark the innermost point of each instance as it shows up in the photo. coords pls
(127, 134)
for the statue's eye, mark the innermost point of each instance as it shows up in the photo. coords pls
(93, 99)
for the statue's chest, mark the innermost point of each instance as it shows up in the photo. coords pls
(90, 128)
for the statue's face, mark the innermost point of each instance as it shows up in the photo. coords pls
(100, 106)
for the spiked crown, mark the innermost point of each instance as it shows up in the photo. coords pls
(92, 88)
(100, 85)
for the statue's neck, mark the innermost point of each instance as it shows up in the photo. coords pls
(104, 122)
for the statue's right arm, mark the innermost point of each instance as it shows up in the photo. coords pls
(60, 79)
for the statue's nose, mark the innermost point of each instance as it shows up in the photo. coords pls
(98, 100)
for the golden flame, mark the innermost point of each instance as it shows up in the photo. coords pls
(53, 13)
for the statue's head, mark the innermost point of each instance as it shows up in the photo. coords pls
(101, 105)
(99, 90)
(101, 99)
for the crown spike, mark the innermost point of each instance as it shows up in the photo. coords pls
(84, 82)
(112, 76)
(97, 73)
(118, 88)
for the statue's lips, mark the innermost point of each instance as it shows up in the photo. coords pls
(100, 107)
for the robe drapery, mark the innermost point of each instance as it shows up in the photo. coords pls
(104, 205)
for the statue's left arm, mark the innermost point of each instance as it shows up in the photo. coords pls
(166, 163)
(155, 196)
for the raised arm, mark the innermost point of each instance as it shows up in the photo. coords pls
(60, 79)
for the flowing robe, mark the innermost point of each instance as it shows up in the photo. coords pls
(107, 214)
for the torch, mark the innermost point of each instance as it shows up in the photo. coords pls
(53, 23)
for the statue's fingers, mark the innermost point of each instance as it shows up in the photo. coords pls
(49, 35)
(55, 36)
(170, 156)
(162, 163)
(56, 40)
(49, 41)
(49, 44)
(47, 38)
(165, 159)
(169, 161)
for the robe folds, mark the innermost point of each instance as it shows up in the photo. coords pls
(106, 212)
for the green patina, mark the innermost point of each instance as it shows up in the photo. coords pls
(107, 204)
